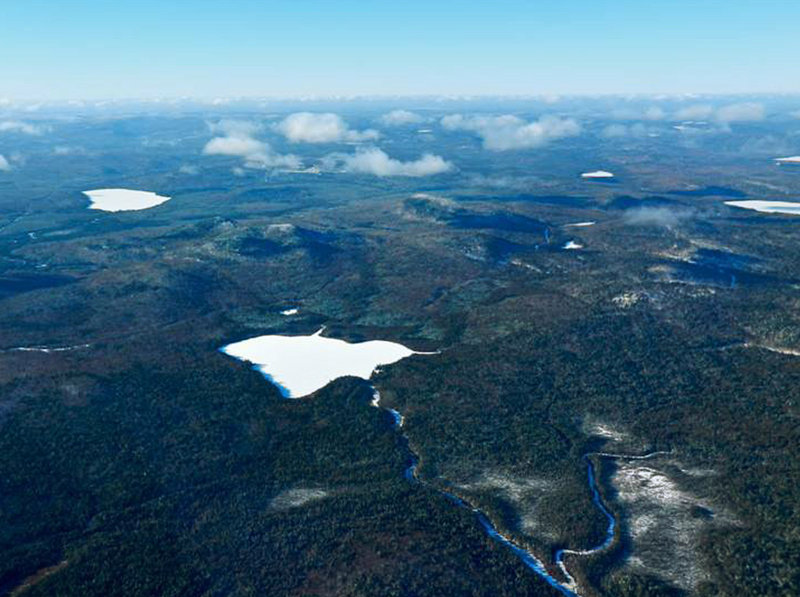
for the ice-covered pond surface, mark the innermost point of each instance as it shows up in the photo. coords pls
(769, 207)
(301, 365)
(597, 174)
(123, 199)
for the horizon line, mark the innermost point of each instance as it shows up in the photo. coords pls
(546, 97)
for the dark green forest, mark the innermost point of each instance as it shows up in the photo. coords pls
(138, 459)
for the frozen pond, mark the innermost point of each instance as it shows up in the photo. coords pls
(301, 365)
(769, 207)
(597, 174)
(123, 199)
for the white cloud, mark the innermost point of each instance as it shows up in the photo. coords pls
(68, 150)
(795, 114)
(516, 183)
(639, 113)
(695, 112)
(189, 169)
(654, 113)
(19, 126)
(767, 145)
(501, 133)
(722, 115)
(656, 216)
(377, 162)
(400, 117)
(745, 112)
(615, 131)
(4, 165)
(238, 146)
(18, 159)
(237, 140)
(308, 127)
(234, 128)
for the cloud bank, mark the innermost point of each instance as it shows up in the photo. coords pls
(4, 165)
(654, 113)
(745, 112)
(695, 112)
(25, 128)
(239, 146)
(309, 127)
(235, 139)
(650, 113)
(68, 150)
(638, 129)
(376, 162)
(503, 133)
(400, 118)
(741, 112)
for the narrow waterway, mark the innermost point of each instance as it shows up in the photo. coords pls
(570, 586)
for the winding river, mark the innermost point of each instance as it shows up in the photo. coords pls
(568, 587)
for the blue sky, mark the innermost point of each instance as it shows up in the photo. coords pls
(60, 49)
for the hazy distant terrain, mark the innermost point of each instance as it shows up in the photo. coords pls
(138, 459)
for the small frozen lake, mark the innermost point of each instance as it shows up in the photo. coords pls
(769, 207)
(601, 174)
(123, 199)
(301, 365)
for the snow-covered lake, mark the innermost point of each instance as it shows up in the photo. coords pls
(301, 365)
(597, 174)
(769, 207)
(123, 199)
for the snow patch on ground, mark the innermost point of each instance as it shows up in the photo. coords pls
(435, 199)
(294, 498)
(523, 493)
(605, 430)
(787, 351)
(664, 523)
(281, 228)
(46, 349)
(627, 300)
(520, 263)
